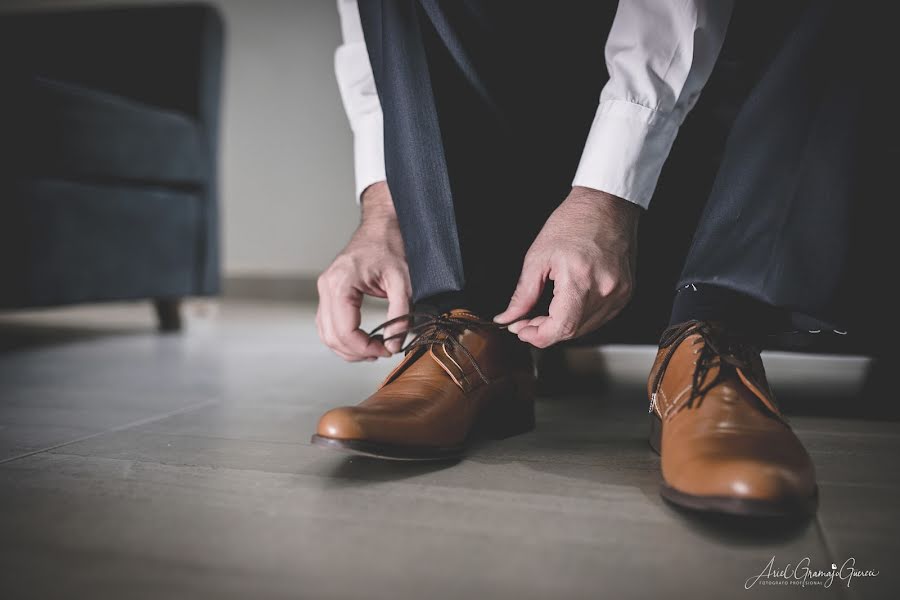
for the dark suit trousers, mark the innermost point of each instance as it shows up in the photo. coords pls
(487, 106)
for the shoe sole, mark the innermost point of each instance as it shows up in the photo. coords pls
(728, 505)
(512, 413)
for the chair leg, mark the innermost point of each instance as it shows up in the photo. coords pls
(168, 314)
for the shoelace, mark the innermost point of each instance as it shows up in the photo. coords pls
(728, 352)
(438, 329)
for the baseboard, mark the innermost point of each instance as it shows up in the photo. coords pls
(287, 288)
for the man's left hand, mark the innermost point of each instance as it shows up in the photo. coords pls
(588, 249)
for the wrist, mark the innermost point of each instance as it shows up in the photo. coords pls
(606, 204)
(377, 205)
(376, 202)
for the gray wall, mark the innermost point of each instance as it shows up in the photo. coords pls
(287, 173)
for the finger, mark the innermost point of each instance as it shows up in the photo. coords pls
(351, 339)
(335, 347)
(324, 332)
(349, 358)
(398, 305)
(605, 308)
(319, 328)
(327, 342)
(323, 322)
(534, 323)
(341, 320)
(346, 357)
(518, 326)
(527, 335)
(528, 291)
(566, 314)
(600, 317)
(597, 319)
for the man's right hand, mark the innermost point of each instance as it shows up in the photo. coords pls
(373, 263)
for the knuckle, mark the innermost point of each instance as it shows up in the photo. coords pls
(342, 264)
(615, 286)
(530, 261)
(332, 277)
(608, 287)
(397, 277)
(580, 268)
(620, 287)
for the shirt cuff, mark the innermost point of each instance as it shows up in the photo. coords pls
(625, 150)
(368, 152)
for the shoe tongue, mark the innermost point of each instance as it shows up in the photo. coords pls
(443, 356)
(746, 374)
(434, 362)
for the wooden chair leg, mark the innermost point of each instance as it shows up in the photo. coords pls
(168, 314)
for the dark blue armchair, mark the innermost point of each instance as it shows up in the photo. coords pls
(109, 128)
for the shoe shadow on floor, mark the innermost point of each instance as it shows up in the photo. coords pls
(602, 439)
(581, 410)
(356, 471)
(742, 530)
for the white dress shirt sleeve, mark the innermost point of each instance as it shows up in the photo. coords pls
(659, 55)
(357, 87)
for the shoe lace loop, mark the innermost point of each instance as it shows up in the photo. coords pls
(727, 351)
(434, 328)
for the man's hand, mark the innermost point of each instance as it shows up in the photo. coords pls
(373, 263)
(587, 248)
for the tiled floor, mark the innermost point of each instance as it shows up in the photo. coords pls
(140, 465)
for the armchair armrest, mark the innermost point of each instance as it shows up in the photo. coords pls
(167, 56)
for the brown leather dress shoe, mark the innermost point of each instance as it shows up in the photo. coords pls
(463, 378)
(723, 442)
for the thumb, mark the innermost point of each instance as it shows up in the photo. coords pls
(398, 305)
(528, 291)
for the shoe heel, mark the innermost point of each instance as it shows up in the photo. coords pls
(510, 412)
(655, 432)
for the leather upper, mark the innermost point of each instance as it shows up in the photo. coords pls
(733, 440)
(434, 395)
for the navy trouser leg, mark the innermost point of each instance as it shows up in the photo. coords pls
(414, 155)
(783, 223)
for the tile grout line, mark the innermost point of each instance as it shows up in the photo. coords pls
(139, 422)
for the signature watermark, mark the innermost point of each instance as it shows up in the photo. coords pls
(804, 575)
